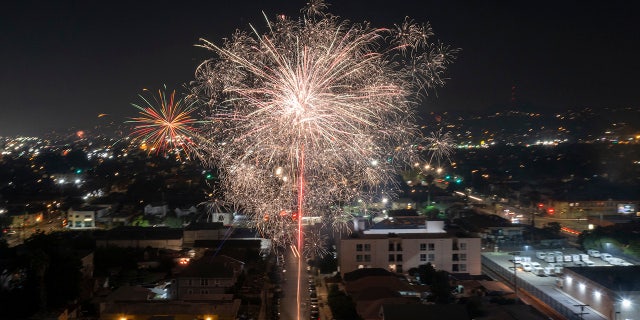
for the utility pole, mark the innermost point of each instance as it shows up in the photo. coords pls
(515, 275)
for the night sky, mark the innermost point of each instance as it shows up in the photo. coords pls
(65, 62)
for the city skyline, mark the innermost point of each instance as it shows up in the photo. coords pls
(66, 63)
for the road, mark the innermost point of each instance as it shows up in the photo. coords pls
(293, 307)
(22, 234)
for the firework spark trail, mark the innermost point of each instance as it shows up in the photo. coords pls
(344, 91)
(166, 123)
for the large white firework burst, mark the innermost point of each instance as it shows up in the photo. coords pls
(316, 106)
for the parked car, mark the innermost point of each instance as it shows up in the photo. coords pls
(605, 257)
(594, 253)
(526, 266)
(538, 271)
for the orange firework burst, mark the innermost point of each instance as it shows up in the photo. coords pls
(165, 123)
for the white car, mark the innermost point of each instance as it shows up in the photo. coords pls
(535, 265)
(538, 271)
(526, 266)
(594, 253)
(605, 257)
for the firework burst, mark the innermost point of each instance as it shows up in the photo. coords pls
(440, 147)
(165, 123)
(315, 245)
(309, 106)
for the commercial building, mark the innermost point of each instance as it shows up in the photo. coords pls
(612, 291)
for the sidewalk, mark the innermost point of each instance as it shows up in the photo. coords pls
(322, 291)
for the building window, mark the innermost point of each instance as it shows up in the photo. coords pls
(454, 268)
(367, 258)
(204, 282)
(216, 282)
(391, 246)
(423, 247)
(190, 291)
(431, 257)
(367, 247)
(359, 258)
(454, 257)
(359, 247)
(398, 257)
(189, 283)
(398, 246)
(462, 267)
(463, 246)
(391, 257)
(431, 246)
(423, 257)
(399, 268)
(204, 291)
(463, 257)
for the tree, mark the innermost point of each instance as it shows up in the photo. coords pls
(438, 281)
(553, 227)
(342, 306)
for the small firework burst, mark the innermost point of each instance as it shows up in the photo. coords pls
(315, 245)
(165, 123)
(440, 147)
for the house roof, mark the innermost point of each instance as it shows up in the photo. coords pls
(140, 233)
(366, 272)
(424, 311)
(211, 267)
(194, 226)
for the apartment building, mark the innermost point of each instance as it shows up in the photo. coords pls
(402, 243)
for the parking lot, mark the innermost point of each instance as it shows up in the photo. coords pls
(543, 285)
